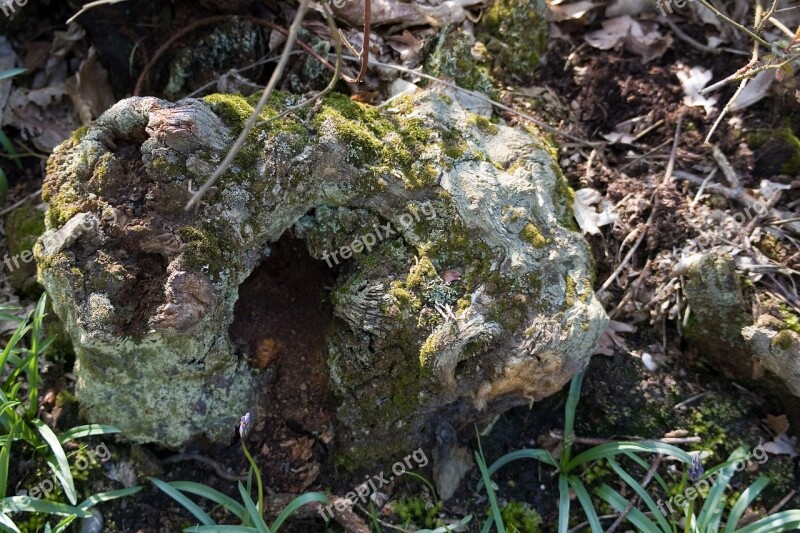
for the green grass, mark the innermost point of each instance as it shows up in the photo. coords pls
(708, 519)
(19, 364)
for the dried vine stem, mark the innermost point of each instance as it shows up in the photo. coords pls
(273, 81)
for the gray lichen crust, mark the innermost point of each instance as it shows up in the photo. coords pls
(475, 295)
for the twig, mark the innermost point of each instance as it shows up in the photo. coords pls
(692, 399)
(205, 460)
(91, 5)
(486, 99)
(273, 81)
(777, 507)
(364, 55)
(595, 441)
(20, 202)
(646, 481)
(733, 23)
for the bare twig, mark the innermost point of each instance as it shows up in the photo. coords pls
(91, 5)
(273, 81)
(632, 503)
(486, 99)
(205, 460)
(364, 55)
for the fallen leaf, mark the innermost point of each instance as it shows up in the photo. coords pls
(782, 444)
(755, 90)
(693, 82)
(89, 88)
(778, 424)
(640, 38)
(573, 11)
(609, 338)
(592, 210)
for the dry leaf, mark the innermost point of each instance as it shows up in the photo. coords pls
(609, 338)
(573, 11)
(782, 445)
(693, 82)
(89, 88)
(778, 424)
(592, 210)
(640, 38)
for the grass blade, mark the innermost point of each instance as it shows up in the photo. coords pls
(61, 467)
(603, 451)
(221, 529)
(252, 511)
(9, 73)
(563, 504)
(641, 492)
(24, 504)
(88, 430)
(5, 455)
(783, 521)
(715, 504)
(107, 497)
(181, 498)
(501, 528)
(295, 504)
(533, 453)
(619, 503)
(208, 493)
(569, 418)
(586, 503)
(744, 501)
(6, 521)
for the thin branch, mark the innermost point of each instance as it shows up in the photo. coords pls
(645, 482)
(486, 99)
(273, 81)
(364, 55)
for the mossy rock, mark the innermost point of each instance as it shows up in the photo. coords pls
(776, 152)
(396, 198)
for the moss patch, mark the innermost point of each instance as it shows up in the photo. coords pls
(516, 33)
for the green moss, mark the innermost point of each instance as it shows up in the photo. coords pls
(453, 58)
(202, 249)
(23, 227)
(519, 517)
(531, 234)
(484, 124)
(563, 200)
(387, 145)
(516, 35)
(783, 340)
(790, 319)
(78, 135)
(419, 512)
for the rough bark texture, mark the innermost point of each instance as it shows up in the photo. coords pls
(473, 294)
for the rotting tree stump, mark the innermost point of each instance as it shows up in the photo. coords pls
(460, 284)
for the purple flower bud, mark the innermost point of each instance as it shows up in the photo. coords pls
(696, 469)
(244, 425)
